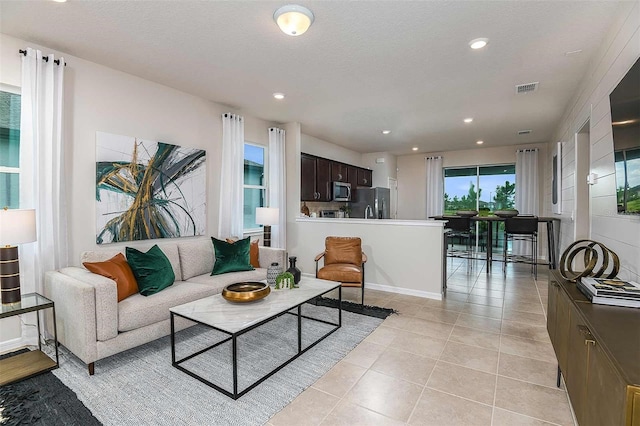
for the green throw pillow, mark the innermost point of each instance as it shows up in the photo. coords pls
(231, 257)
(152, 270)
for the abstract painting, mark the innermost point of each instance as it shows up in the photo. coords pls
(147, 190)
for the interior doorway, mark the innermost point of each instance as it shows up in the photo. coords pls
(393, 188)
(582, 222)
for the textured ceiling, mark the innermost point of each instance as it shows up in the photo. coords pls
(363, 66)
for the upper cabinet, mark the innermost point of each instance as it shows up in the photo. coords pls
(365, 176)
(338, 172)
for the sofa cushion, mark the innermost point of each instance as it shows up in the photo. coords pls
(138, 311)
(254, 252)
(342, 272)
(231, 257)
(152, 270)
(118, 270)
(196, 257)
(218, 282)
(169, 249)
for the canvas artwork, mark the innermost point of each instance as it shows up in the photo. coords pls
(147, 189)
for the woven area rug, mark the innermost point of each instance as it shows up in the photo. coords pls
(140, 387)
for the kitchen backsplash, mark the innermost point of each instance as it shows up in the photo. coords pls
(316, 206)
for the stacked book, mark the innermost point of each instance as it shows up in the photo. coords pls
(611, 291)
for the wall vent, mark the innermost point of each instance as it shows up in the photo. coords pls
(526, 88)
(523, 132)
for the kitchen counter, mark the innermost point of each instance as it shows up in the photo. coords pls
(404, 256)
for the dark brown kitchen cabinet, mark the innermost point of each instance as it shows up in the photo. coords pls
(338, 172)
(315, 178)
(352, 178)
(598, 351)
(364, 177)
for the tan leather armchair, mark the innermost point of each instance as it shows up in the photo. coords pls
(343, 262)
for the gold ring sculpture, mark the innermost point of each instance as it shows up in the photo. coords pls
(590, 259)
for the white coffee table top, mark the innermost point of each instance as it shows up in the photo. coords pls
(232, 317)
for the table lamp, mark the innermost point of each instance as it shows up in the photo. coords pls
(16, 227)
(267, 216)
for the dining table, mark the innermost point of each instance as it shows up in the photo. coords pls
(552, 226)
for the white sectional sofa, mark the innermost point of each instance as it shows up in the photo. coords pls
(94, 325)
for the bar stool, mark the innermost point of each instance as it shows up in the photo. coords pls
(460, 227)
(521, 228)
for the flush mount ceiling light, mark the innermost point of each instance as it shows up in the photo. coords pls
(478, 43)
(386, 132)
(293, 19)
(468, 120)
(479, 142)
(278, 95)
(415, 148)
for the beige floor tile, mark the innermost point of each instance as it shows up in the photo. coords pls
(340, 378)
(483, 310)
(485, 300)
(448, 304)
(382, 335)
(507, 418)
(528, 348)
(418, 344)
(535, 308)
(532, 297)
(525, 331)
(465, 382)
(349, 414)
(526, 317)
(532, 400)
(437, 315)
(456, 297)
(528, 369)
(440, 409)
(365, 354)
(385, 395)
(470, 336)
(403, 308)
(404, 365)
(479, 323)
(459, 288)
(375, 301)
(409, 299)
(309, 408)
(416, 325)
(486, 292)
(471, 356)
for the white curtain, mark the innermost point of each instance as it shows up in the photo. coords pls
(526, 190)
(42, 167)
(231, 177)
(435, 186)
(277, 185)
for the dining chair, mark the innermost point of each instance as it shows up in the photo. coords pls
(521, 228)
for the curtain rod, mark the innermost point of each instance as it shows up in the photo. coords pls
(44, 58)
(433, 157)
(528, 150)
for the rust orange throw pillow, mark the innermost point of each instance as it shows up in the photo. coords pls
(118, 270)
(254, 252)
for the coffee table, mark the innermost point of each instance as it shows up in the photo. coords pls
(236, 319)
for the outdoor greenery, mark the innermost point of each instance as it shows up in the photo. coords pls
(502, 198)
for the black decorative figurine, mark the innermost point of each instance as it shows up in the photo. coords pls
(294, 270)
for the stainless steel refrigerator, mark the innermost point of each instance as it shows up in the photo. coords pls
(377, 199)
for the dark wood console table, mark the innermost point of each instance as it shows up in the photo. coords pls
(598, 351)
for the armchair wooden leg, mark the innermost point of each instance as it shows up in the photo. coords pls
(91, 367)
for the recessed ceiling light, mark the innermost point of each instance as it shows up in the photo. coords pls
(386, 132)
(468, 120)
(479, 142)
(478, 43)
(60, 1)
(278, 95)
(573, 52)
(293, 19)
(415, 148)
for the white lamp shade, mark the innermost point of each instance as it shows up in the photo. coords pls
(17, 226)
(293, 19)
(267, 215)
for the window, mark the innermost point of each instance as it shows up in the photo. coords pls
(627, 162)
(9, 149)
(255, 184)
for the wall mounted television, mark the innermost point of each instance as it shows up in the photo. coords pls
(625, 122)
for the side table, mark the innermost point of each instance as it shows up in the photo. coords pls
(31, 363)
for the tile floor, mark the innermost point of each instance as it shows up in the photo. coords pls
(481, 356)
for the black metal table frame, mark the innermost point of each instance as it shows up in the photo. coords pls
(234, 346)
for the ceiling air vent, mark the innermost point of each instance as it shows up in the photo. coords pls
(526, 88)
(523, 132)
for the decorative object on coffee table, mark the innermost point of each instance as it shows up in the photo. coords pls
(595, 253)
(506, 213)
(285, 281)
(16, 227)
(272, 273)
(248, 291)
(267, 216)
(293, 269)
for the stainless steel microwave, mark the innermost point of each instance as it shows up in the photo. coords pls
(341, 191)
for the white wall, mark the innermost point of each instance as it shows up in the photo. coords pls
(321, 148)
(619, 50)
(381, 171)
(412, 174)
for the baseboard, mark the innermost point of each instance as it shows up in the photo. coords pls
(397, 290)
(11, 345)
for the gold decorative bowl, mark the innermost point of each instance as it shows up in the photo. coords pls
(247, 291)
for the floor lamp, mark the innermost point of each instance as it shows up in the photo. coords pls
(16, 227)
(267, 216)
